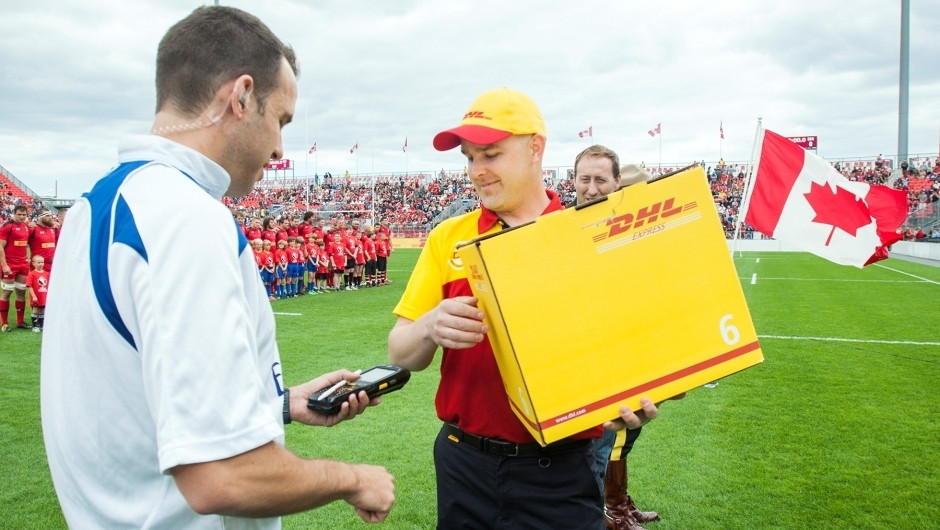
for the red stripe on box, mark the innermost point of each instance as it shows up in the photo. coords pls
(668, 378)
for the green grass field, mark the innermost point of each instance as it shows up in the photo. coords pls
(838, 428)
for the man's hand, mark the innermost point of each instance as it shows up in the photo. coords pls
(376, 493)
(635, 420)
(355, 405)
(457, 323)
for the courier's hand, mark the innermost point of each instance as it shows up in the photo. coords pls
(355, 405)
(457, 323)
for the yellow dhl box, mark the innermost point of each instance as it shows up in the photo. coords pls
(594, 307)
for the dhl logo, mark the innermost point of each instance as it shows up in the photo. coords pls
(475, 114)
(646, 215)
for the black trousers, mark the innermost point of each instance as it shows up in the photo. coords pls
(478, 490)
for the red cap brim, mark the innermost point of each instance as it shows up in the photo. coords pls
(476, 134)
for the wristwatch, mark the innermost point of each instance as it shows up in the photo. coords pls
(286, 412)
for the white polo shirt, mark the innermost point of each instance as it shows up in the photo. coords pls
(158, 347)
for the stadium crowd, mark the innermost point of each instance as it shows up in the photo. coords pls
(319, 241)
(312, 239)
(418, 201)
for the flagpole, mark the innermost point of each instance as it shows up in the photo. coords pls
(404, 196)
(660, 148)
(748, 182)
(307, 157)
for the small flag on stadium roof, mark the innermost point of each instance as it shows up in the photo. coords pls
(353, 149)
(313, 149)
(799, 198)
(656, 130)
(721, 129)
(404, 148)
(587, 132)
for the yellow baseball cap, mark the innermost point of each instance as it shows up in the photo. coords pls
(495, 115)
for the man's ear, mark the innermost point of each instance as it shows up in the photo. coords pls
(537, 147)
(241, 92)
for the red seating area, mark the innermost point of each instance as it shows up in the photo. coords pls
(916, 185)
(10, 196)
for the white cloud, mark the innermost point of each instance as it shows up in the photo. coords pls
(79, 75)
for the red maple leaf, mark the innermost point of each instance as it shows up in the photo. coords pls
(841, 209)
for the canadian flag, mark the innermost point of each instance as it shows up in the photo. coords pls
(353, 148)
(587, 132)
(799, 198)
(656, 130)
(312, 149)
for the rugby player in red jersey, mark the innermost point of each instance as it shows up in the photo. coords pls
(14, 235)
(43, 237)
(253, 231)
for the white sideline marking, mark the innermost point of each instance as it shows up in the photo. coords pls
(908, 274)
(758, 260)
(837, 280)
(754, 279)
(837, 339)
(289, 314)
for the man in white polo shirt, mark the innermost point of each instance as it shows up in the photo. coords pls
(163, 403)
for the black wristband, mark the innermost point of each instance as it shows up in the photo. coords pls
(286, 412)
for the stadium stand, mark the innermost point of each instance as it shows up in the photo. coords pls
(413, 204)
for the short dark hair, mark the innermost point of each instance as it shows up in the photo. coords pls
(599, 151)
(209, 48)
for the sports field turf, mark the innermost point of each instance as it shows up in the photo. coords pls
(838, 428)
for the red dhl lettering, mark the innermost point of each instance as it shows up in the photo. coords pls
(646, 214)
(474, 114)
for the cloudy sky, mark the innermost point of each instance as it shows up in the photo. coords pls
(76, 76)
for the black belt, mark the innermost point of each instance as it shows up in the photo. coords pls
(502, 447)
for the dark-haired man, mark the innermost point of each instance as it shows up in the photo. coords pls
(151, 417)
(597, 173)
(14, 267)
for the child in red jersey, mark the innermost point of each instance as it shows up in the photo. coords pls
(37, 281)
(323, 266)
(368, 247)
(382, 251)
(294, 259)
(280, 270)
(313, 254)
(360, 255)
(338, 260)
(268, 275)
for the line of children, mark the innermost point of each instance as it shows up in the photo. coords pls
(346, 262)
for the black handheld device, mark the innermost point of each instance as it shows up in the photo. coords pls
(376, 381)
